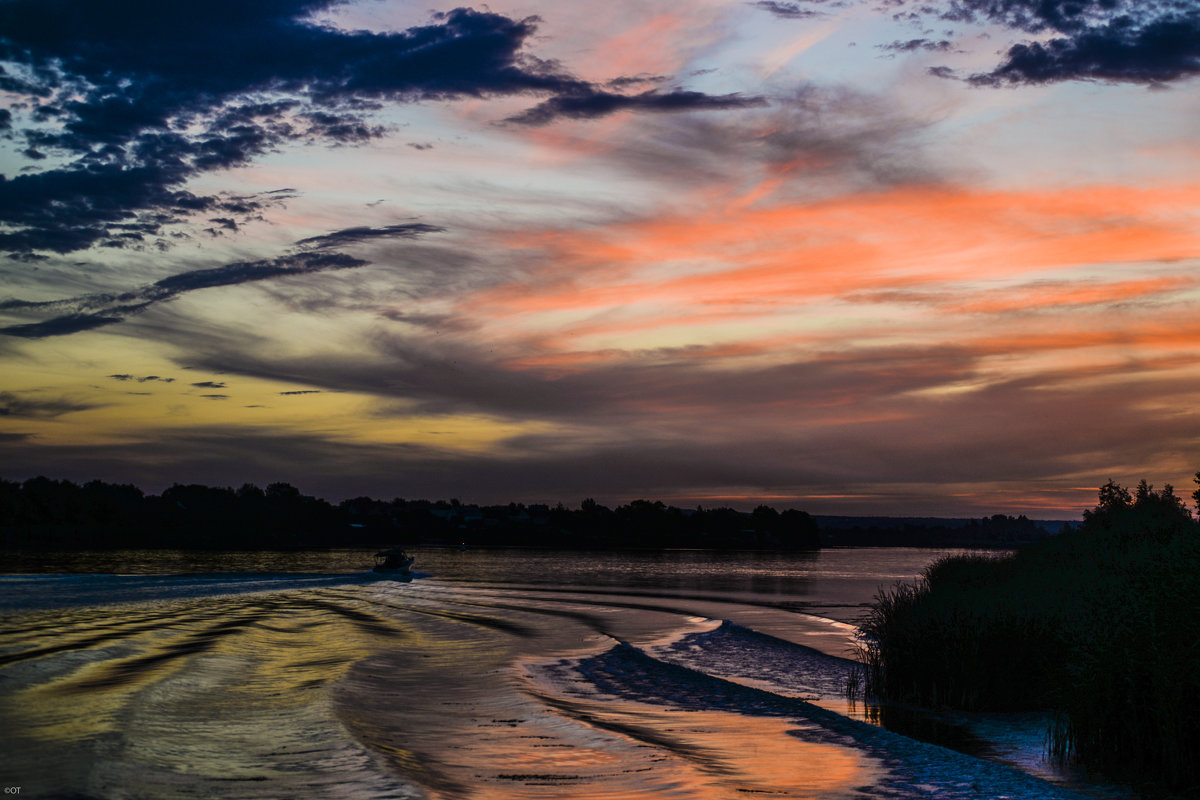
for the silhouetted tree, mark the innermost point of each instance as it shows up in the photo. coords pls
(800, 530)
(1144, 513)
(47, 513)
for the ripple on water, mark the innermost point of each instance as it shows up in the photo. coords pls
(436, 689)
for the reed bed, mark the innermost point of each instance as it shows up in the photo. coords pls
(1100, 624)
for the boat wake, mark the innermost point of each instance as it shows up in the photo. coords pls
(247, 686)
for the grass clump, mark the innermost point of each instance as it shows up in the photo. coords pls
(1101, 624)
(969, 636)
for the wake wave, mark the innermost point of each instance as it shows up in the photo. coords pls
(268, 685)
(676, 677)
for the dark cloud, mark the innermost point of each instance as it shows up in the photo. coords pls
(364, 233)
(142, 379)
(301, 391)
(1065, 16)
(59, 326)
(1134, 41)
(1123, 50)
(13, 404)
(142, 65)
(343, 128)
(912, 45)
(209, 385)
(138, 97)
(114, 205)
(249, 271)
(215, 396)
(94, 311)
(629, 81)
(790, 10)
(29, 258)
(592, 103)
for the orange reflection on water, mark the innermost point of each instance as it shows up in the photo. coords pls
(624, 749)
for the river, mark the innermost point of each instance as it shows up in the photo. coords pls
(491, 674)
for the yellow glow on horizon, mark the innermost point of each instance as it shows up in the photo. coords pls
(159, 397)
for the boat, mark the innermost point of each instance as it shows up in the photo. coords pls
(394, 561)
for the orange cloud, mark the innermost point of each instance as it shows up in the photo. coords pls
(1139, 335)
(905, 237)
(1124, 343)
(651, 47)
(571, 140)
(1041, 295)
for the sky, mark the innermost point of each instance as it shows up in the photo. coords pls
(849, 256)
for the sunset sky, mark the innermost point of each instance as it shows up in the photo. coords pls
(881, 257)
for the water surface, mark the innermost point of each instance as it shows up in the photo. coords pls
(491, 674)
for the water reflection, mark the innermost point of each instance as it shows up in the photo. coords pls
(511, 674)
(171, 562)
(229, 690)
(928, 726)
(765, 573)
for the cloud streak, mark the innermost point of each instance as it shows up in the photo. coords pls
(14, 404)
(142, 379)
(365, 233)
(593, 104)
(89, 312)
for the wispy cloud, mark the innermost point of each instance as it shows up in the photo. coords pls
(14, 404)
(140, 379)
(592, 104)
(95, 311)
(806, 9)
(364, 233)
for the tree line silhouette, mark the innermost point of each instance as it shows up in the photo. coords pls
(43, 513)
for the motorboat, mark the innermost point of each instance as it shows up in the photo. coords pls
(394, 561)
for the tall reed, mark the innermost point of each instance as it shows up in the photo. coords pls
(1100, 624)
(960, 638)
